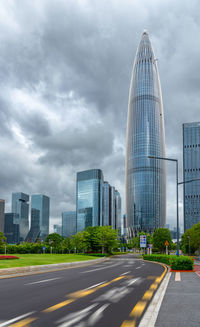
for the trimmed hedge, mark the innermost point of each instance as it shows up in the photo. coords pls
(182, 263)
(158, 257)
(176, 263)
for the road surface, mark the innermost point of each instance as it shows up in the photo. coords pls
(113, 293)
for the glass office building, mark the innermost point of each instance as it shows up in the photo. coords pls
(2, 215)
(112, 216)
(89, 193)
(191, 171)
(118, 217)
(42, 203)
(12, 228)
(145, 177)
(68, 223)
(57, 229)
(106, 204)
(34, 232)
(20, 206)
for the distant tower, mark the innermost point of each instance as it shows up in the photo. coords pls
(106, 203)
(145, 177)
(191, 170)
(89, 193)
(42, 203)
(2, 215)
(68, 223)
(20, 206)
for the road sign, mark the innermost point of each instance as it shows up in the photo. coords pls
(166, 243)
(143, 241)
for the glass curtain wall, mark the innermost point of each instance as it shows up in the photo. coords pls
(89, 198)
(191, 170)
(145, 177)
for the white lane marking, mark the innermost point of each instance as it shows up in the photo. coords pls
(15, 319)
(83, 272)
(74, 317)
(43, 281)
(138, 267)
(177, 277)
(132, 281)
(88, 288)
(97, 315)
(125, 273)
(115, 294)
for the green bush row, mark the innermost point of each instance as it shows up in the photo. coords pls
(176, 263)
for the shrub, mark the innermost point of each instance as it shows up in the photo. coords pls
(181, 263)
(176, 263)
(6, 257)
(157, 257)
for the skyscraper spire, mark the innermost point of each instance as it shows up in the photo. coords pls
(145, 177)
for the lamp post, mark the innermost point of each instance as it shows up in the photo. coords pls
(177, 212)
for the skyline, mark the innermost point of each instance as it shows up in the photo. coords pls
(59, 109)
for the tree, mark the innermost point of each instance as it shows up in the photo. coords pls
(54, 239)
(190, 241)
(3, 239)
(108, 238)
(67, 244)
(92, 238)
(78, 242)
(160, 236)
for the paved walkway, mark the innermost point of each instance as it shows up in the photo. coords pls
(181, 304)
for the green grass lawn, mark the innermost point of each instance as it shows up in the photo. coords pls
(42, 259)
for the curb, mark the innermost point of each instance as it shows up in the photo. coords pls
(32, 270)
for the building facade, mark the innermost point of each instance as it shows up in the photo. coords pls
(12, 228)
(106, 204)
(68, 223)
(145, 177)
(112, 215)
(57, 229)
(34, 232)
(41, 202)
(20, 206)
(118, 215)
(191, 171)
(2, 215)
(89, 195)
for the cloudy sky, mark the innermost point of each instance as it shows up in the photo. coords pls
(65, 69)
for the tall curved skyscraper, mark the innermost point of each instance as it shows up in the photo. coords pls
(145, 177)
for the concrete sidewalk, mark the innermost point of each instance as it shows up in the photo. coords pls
(181, 303)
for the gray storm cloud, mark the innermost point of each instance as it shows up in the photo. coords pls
(65, 69)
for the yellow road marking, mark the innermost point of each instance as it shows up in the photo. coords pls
(138, 309)
(148, 295)
(79, 294)
(140, 306)
(58, 306)
(23, 323)
(153, 286)
(128, 323)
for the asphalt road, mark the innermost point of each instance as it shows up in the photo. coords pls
(113, 293)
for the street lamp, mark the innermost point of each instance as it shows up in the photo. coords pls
(177, 212)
